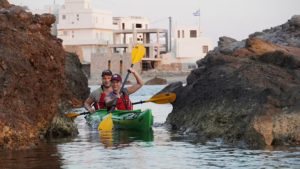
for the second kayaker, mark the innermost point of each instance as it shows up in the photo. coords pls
(96, 99)
(123, 101)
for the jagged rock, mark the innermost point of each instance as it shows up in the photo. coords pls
(227, 45)
(47, 19)
(156, 81)
(4, 4)
(32, 79)
(295, 21)
(77, 82)
(286, 34)
(247, 94)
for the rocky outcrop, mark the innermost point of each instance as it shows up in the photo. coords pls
(32, 78)
(156, 81)
(244, 92)
(286, 34)
(77, 81)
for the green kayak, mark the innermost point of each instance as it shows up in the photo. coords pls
(124, 119)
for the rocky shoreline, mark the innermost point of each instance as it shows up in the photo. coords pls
(244, 92)
(39, 81)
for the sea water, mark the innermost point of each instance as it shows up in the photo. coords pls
(158, 148)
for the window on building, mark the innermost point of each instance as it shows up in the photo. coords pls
(77, 17)
(109, 65)
(72, 34)
(205, 49)
(65, 33)
(146, 66)
(123, 26)
(182, 33)
(64, 17)
(193, 33)
(138, 25)
(121, 67)
(178, 33)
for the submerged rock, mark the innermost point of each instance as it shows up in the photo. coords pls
(156, 81)
(61, 127)
(33, 84)
(247, 94)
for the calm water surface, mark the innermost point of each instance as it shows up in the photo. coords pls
(154, 149)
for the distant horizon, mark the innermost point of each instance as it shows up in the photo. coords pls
(233, 18)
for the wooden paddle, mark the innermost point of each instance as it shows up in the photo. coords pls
(161, 98)
(137, 54)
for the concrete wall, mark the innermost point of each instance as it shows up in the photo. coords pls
(85, 36)
(129, 23)
(99, 62)
(85, 52)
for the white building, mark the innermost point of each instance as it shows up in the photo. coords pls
(129, 23)
(84, 30)
(188, 47)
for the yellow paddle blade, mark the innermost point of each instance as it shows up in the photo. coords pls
(71, 115)
(137, 53)
(163, 98)
(106, 124)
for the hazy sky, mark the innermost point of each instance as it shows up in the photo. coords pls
(233, 18)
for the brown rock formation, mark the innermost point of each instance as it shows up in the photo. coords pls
(156, 81)
(77, 82)
(32, 77)
(244, 92)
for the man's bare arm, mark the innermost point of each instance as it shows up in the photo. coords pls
(139, 82)
(88, 105)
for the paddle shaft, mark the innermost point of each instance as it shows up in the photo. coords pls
(140, 102)
(126, 78)
(84, 113)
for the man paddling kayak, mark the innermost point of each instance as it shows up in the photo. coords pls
(96, 99)
(123, 101)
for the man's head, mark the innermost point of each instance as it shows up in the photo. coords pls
(106, 78)
(116, 82)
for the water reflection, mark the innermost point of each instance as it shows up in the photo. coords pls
(106, 138)
(45, 156)
(123, 138)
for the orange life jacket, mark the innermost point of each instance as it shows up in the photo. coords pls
(101, 103)
(124, 102)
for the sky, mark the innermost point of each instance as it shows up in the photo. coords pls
(233, 18)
